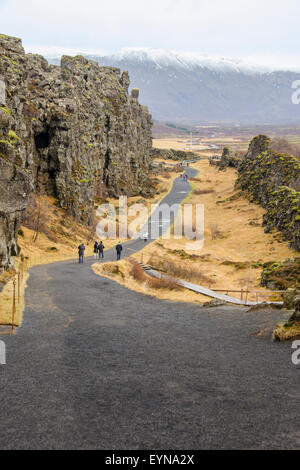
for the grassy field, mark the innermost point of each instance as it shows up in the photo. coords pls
(237, 138)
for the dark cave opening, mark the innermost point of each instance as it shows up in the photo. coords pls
(107, 123)
(47, 164)
(42, 140)
(107, 159)
(106, 166)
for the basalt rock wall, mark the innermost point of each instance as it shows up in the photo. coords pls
(72, 132)
(273, 180)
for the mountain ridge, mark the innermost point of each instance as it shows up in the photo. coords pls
(198, 89)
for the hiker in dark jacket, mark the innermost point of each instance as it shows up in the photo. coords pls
(95, 249)
(119, 249)
(81, 249)
(101, 250)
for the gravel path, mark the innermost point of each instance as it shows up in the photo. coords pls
(96, 365)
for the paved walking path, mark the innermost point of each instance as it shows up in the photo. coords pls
(96, 365)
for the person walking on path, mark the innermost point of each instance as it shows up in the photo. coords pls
(81, 249)
(95, 249)
(101, 250)
(119, 249)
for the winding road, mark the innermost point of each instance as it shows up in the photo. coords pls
(97, 366)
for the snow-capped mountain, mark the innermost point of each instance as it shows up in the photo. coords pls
(163, 58)
(184, 87)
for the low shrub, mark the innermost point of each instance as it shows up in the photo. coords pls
(137, 272)
(179, 270)
(203, 191)
(164, 283)
(139, 275)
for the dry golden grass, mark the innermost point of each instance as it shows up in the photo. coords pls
(139, 275)
(179, 269)
(6, 276)
(137, 271)
(181, 143)
(162, 289)
(199, 180)
(166, 283)
(166, 175)
(203, 191)
(287, 331)
(8, 315)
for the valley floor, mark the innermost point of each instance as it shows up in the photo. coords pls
(98, 366)
(235, 245)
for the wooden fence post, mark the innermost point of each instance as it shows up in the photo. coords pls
(19, 278)
(14, 305)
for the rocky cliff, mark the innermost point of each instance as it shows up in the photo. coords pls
(71, 131)
(273, 180)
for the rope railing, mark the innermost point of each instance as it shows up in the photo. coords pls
(244, 292)
(14, 288)
(18, 284)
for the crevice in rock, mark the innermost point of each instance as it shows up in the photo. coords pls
(42, 139)
(107, 159)
(107, 123)
(106, 167)
(47, 165)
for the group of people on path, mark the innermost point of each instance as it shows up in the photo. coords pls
(98, 251)
(184, 177)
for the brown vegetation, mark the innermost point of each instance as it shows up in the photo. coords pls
(287, 331)
(215, 231)
(196, 179)
(179, 270)
(203, 191)
(139, 275)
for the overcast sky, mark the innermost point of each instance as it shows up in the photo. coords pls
(265, 31)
